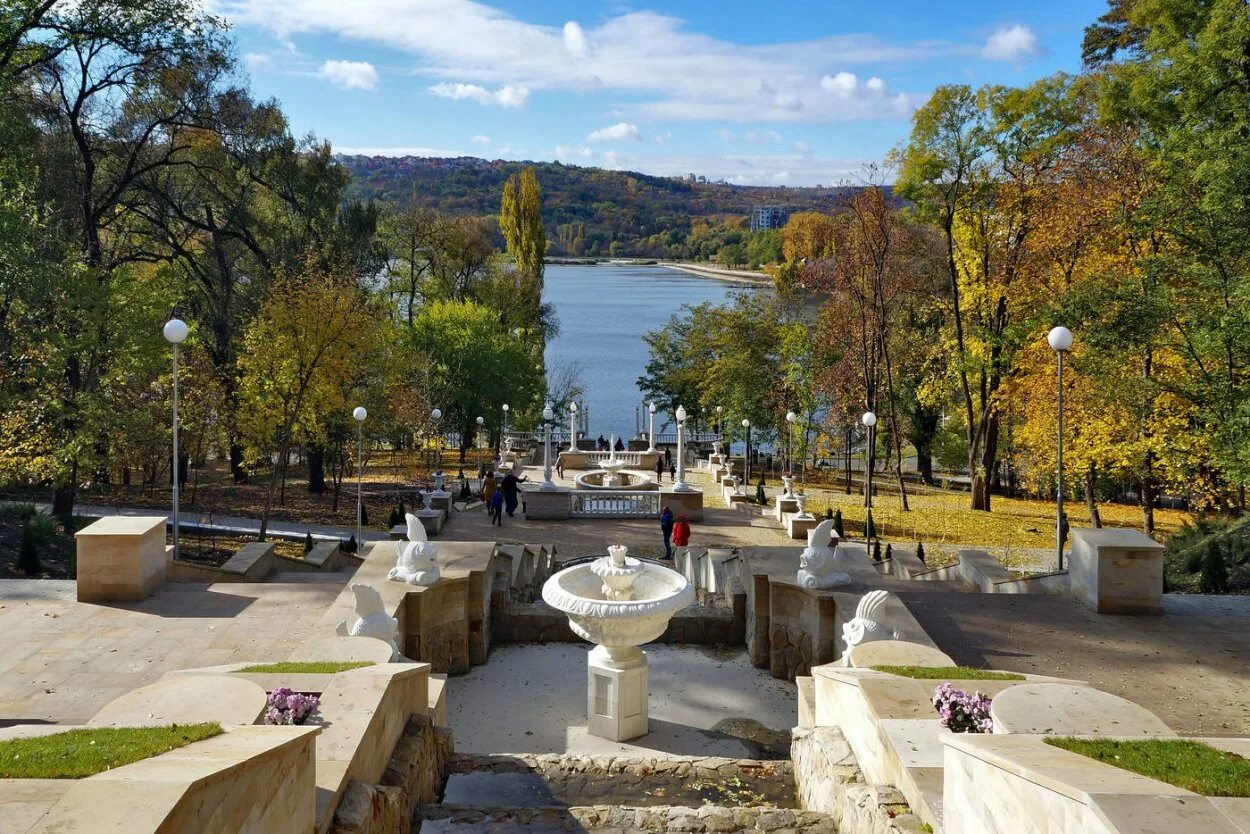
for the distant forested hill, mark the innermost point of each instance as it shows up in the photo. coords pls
(587, 211)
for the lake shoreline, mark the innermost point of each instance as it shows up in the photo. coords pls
(735, 275)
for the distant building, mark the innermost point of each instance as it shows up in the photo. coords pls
(768, 217)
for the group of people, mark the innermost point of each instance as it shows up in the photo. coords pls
(676, 533)
(501, 497)
(663, 463)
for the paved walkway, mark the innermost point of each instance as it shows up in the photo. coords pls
(227, 524)
(1188, 666)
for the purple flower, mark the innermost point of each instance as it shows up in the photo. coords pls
(961, 712)
(287, 707)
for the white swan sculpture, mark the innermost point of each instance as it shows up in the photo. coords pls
(371, 619)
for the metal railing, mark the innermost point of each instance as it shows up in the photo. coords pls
(615, 504)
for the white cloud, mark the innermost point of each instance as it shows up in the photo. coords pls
(762, 137)
(843, 84)
(258, 62)
(803, 148)
(350, 75)
(575, 39)
(564, 152)
(615, 133)
(654, 64)
(509, 95)
(480, 140)
(1012, 43)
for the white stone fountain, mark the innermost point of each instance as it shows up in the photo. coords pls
(612, 466)
(618, 603)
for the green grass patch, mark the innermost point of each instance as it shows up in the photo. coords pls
(76, 754)
(310, 667)
(1191, 765)
(948, 673)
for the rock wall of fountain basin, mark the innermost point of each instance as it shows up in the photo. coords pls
(628, 480)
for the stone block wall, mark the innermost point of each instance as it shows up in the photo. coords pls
(700, 625)
(828, 780)
(414, 777)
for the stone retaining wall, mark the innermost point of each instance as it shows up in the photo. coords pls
(828, 780)
(414, 777)
(705, 767)
(621, 818)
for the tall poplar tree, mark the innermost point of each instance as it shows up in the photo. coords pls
(520, 220)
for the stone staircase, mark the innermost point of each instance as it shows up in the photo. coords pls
(615, 819)
(616, 794)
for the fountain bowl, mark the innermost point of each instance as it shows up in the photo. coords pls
(596, 479)
(618, 625)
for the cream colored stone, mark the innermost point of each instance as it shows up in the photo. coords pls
(121, 558)
(896, 653)
(251, 780)
(1064, 710)
(1117, 571)
(186, 699)
(343, 650)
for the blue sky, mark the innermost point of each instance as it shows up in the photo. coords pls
(752, 92)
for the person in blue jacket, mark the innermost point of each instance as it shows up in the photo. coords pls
(666, 527)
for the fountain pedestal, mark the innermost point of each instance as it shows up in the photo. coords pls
(618, 603)
(616, 694)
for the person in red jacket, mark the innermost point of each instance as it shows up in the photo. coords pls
(681, 532)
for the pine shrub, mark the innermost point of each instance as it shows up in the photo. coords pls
(28, 552)
(350, 545)
(889, 551)
(876, 550)
(1214, 577)
(837, 524)
(308, 543)
(920, 551)
(828, 513)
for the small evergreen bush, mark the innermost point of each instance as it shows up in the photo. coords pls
(889, 551)
(828, 513)
(308, 543)
(760, 497)
(28, 552)
(876, 550)
(920, 551)
(350, 545)
(1214, 577)
(837, 524)
(870, 529)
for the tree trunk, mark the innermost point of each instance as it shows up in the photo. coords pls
(848, 460)
(1149, 496)
(316, 470)
(63, 498)
(983, 469)
(237, 472)
(1091, 500)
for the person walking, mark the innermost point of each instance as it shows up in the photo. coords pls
(668, 456)
(672, 473)
(681, 532)
(666, 527)
(560, 466)
(488, 488)
(496, 508)
(659, 469)
(510, 486)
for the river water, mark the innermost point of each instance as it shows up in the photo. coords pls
(604, 311)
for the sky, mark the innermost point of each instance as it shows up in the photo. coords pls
(755, 93)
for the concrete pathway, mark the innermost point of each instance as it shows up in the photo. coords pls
(226, 524)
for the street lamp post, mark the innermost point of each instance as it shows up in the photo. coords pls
(790, 418)
(651, 429)
(572, 427)
(359, 414)
(681, 485)
(504, 433)
(870, 422)
(477, 441)
(746, 460)
(176, 333)
(548, 485)
(1060, 340)
(436, 415)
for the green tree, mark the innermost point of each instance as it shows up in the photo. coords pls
(521, 222)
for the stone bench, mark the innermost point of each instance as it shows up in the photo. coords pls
(1117, 571)
(1066, 710)
(189, 699)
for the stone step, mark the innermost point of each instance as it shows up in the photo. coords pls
(611, 819)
